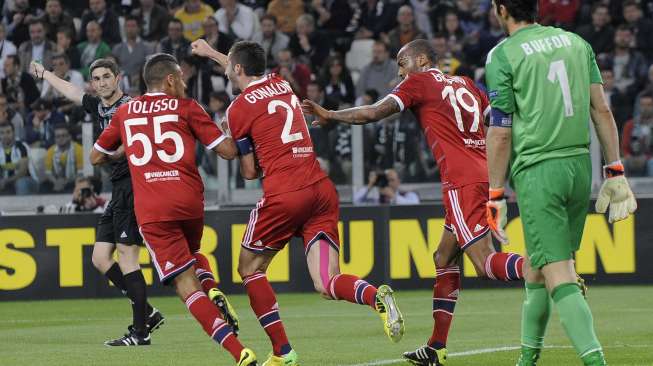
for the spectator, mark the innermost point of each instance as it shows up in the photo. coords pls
(191, 15)
(309, 45)
(295, 73)
(41, 122)
(237, 20)
(105, 18)
(642, 28)
(469, 14)
(11, 116)
(405, 31)
(132, 52)
(453, 32)
(628, 65)
(558, 13)
(637, 142)
(619, 102)
(93, 48)
(18, 86)
(175, 43)
(65, 46)
(422, 10)
(86, 197)
(15, 177)
(198, 82)
(380, 74)
(153, 19)
(6, 48)
(63, 162)
(56, 19)
(384, 187)
(447, 63)
(38, 48)
(333, 16)
(61, 68)
(320, 135)
(599, 34)
(285, 12)
(336, 81)
(218, 40)
(218, 103)
(271, 39)
(18, 18)
(490, 36)
(376, 17)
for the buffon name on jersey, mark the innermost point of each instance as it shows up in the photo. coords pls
(546, 44)
(268, 91)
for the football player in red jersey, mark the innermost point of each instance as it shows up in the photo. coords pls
(451, 111)
(158, 131)
(298, 200)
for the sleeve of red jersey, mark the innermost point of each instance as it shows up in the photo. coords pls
(408, 92)
(109, 139)
(203, 127)
(239, 125)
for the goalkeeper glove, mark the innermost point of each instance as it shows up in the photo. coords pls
(615, 192)
(497, 215)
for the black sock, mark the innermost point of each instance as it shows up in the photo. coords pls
(135, 283)
(114, 274)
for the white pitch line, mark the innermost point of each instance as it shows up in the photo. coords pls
(486, 350)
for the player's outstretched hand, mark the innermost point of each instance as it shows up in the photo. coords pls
(497, 214)
(616, 194)
(316, 110)
(201, 48)
(36, 69)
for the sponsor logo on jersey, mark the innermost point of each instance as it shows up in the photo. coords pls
(477, 144)
(161, 176)
(302, 152)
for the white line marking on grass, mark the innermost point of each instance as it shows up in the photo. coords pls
(486, 350)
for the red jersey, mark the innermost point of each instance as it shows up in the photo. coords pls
(159, 132)
(451, 111)
(270, 114)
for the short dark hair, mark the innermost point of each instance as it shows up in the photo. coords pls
(158, 67)
(8, 124)
(14, 58)
(37, 21)
(251, 56)
(624, 27)
(421, 47)
(628, 3)
(269, 17)
(134, 18)
(520, 10)
(61, 126)
(176, 20)
(646, 94)
(381, 43)
(67, 31)
(106, 63)
(598, 6)
(62, 56)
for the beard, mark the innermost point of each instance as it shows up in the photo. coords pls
(235, 90)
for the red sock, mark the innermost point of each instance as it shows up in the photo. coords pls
(445, 295)
(209, 317)
(204, 273)
(353, 289)
(265, 306)
(504, 266)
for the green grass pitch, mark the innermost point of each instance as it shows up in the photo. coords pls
(325, 333)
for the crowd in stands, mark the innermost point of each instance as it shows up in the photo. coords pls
(335, 52)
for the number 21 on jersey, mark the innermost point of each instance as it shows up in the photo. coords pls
(286, 135)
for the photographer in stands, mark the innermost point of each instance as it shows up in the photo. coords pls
(383, 187)
(85, 197)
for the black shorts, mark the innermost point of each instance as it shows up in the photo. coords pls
(118, 222)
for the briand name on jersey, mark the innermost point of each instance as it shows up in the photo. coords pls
(268, 91)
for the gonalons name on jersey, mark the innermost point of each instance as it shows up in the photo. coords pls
(268, 91)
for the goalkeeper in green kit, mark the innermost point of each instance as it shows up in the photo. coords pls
(544, 85)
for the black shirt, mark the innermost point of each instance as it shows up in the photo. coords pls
(102, 115)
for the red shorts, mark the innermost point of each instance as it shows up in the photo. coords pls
(172, 244)
(465, 213)
(310, 213)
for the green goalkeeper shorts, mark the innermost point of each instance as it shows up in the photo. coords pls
(553, 198)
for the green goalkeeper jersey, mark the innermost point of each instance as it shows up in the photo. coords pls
(542, 76)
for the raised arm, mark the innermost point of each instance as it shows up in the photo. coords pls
(353, 116)
(70, 91)
(201, 48)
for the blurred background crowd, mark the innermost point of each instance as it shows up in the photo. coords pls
(335, 52)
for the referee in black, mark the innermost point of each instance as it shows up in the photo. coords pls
(117, 228)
